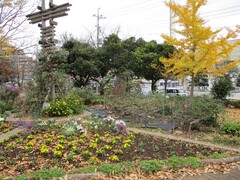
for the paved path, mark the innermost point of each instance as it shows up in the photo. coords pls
(184, 139)
(234, 174)
(10, 133)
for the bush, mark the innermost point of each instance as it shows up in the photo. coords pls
(135, 105)
(64, 107)
(2, 107)
(201, 109)
(116, 168)
(8, 93)
(176, 162)
(88, 97)
(232, 103)
(232, 128)
(150, 166)
(156, 106)
(221, 88)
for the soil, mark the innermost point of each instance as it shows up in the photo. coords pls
(15, 159)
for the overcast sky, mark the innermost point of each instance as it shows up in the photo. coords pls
(140, 18)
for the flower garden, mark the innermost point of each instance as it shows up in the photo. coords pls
(82, 142)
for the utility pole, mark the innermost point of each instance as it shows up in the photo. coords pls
(99, 17)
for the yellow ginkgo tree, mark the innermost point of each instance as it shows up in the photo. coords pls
(201, 51)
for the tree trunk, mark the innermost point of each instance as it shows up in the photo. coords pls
(165, 87)
(192, 86)
(101, 89)
(153, 86)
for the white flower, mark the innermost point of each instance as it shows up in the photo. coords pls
(120, 122)
(79, 127)
(109, 119)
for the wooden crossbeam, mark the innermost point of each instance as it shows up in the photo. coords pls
(48, 11)
(47, 27)
(48, 32)
(48, 14)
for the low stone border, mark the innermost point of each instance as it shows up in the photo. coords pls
(10, 133)
(168, 136)
(83, 176)
(219, 161)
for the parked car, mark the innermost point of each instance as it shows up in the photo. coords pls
(175, 92)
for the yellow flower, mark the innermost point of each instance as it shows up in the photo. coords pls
(114, 158)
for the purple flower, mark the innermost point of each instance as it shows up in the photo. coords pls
(29, 125)
(18, 123)
(120, 126)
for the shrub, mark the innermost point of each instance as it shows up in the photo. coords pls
(88, 97)
(176, 162)
(227, 141)
(232, 128)
(155, 106)
(221, 88)
(233, 103)
(2, 107)
(150, 166)
(116, 168)
(71, 104)
(217, 155)
(8, 93)
(43, 174)
(201, 109)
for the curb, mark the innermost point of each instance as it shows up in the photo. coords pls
(10, 133)
(184, 139)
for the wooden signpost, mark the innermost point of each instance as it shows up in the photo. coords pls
(48, 31)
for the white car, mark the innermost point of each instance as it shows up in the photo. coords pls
(175, 92)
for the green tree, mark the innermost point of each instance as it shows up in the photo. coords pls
(148, 64)
(222, 87)
(201, 51)
(201, 80)
(81, 62)
(120, 54)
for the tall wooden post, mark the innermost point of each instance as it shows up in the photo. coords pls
(48, 32)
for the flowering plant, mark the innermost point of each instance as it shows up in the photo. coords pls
(57, 154)
(86, 153)
(114, 158)
(120, 127)
(94, 160)
(107, 147)
(72, 128)
(44, 150)
(118, 152)
(100, 152)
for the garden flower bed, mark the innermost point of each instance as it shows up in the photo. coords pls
(73, 145)
(5, 127)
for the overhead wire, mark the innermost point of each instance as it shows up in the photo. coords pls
(151, 4)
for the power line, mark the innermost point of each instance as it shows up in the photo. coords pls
(123, 9)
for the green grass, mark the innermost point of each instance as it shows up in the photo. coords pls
(150, 166)
(176, 162)
(146, 166)
(42, 174)
(219, 155)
